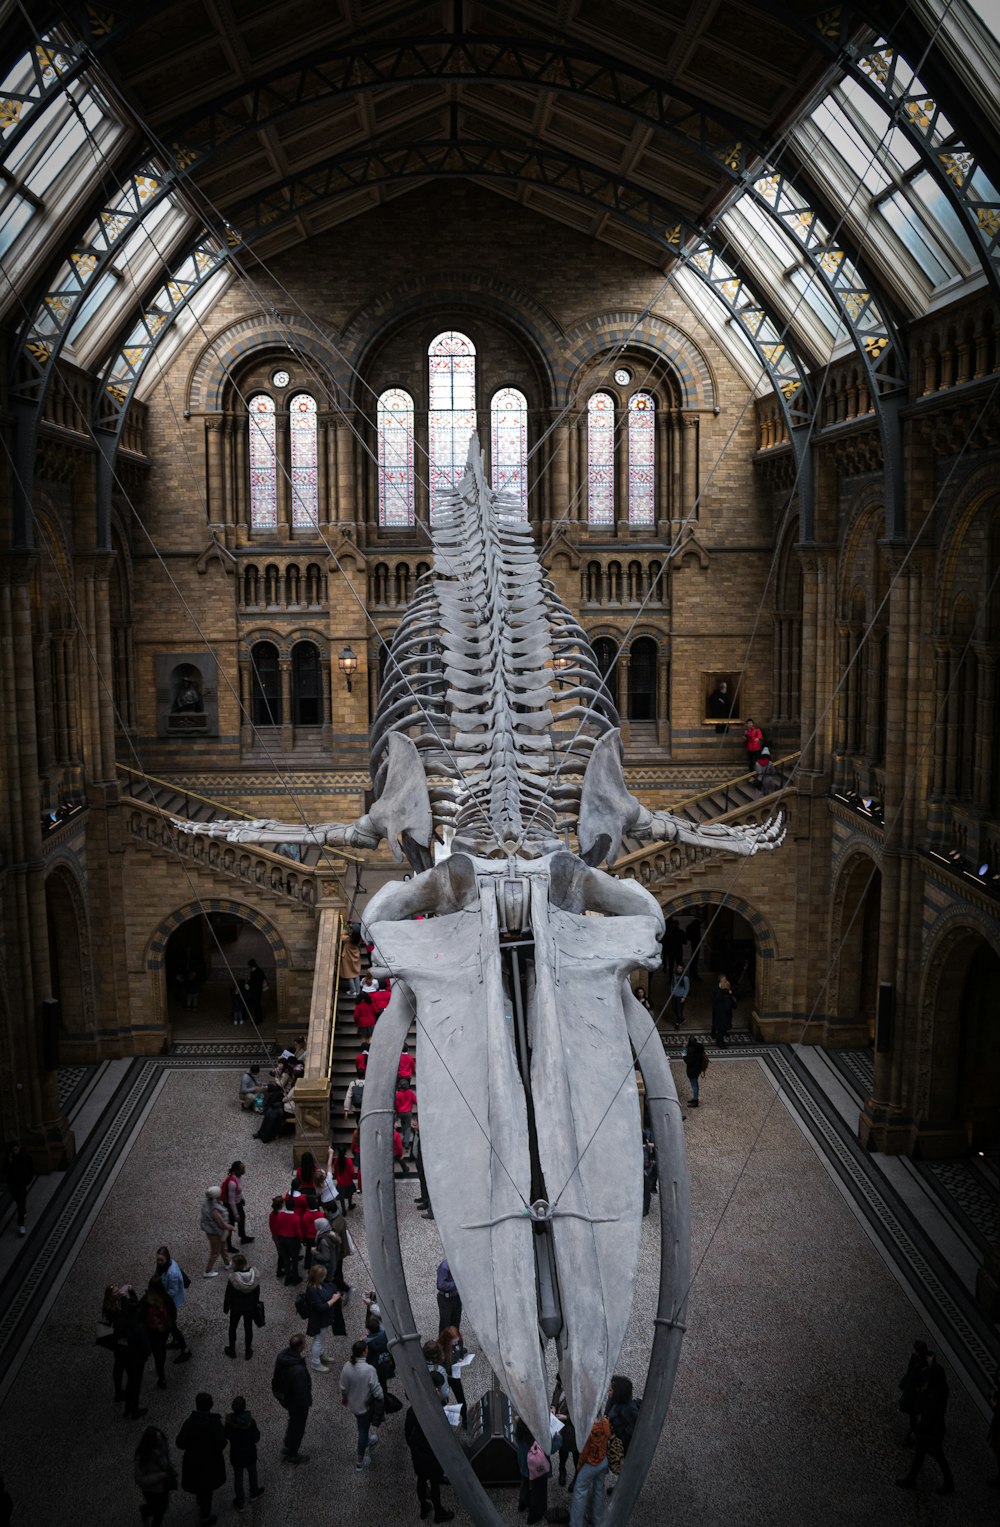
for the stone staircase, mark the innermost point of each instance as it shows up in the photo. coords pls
(346, 1045)
(173, 799)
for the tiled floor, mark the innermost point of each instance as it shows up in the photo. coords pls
(784, 1410)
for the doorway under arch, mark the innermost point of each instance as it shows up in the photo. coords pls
(732, 939)
(205, 966)
(965, 1041)
(69, 966)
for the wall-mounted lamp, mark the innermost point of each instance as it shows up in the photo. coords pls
(348, 664)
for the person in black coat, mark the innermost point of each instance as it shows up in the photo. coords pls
(202, 1440)
(910, 1384)
(19, 1172)
(621, 1410)
(131, 1346)
(928, 1425)
(243, 1435)
(695, 1064)
(428, 1471)
(240, 1302)
(723, 1003)
(292, 1387)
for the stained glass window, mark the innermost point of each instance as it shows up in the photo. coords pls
(641, 459)
(395, 458)
(305, 482)
(601, 459)
(263, 464)
(452, 416)
(509, 444)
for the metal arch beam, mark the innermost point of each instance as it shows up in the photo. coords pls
(886, 73)
(567, 68)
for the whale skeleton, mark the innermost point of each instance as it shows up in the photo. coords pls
(494, 734)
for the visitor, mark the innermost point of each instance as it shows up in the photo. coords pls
(753, 741)
(423, 1203)
(350, 961)
(566, 1438)
(590, 1484)
(380, 1356)
(448, 1298)
(765, 775)
(931, 1401)
(286, 1228)
(361, 1393)
(723, 1006)
(695, 1064)
(243, 1435)
(355, 1095)
(175, 1283)
(272, 1122)
(361, 1059)
(331, 1248)
(623, 1412)
(18, 1174)
(650, 1171)
(232, 1194)
(157, 1312)
(240, 1303)
(202, 1440)
(154, 1474)
(909, 1386)
(130, 1344)
(215, 1223)
(251, 1087)
(406, 1102)
(345, 1175)
(452, 1351)
(434, 1358)
(365, 1016)
(427, 1470)
(679, 993)
(406, 1068)
(323, 1312)
(256, 985)
(534, 1468)
(291, 1386)
(304, 1180)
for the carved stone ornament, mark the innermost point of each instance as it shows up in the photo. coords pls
(494, 741)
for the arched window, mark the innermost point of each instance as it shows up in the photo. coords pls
(601, 459)
(251, 586)
(605, 654)
(314, 584)
(395, 458)
(307, 685)
(293, 585)
(305, 479)
(263, 464)
(265, 685)
(451, 361)
(642, 680)
(509, 444)
(641, 459)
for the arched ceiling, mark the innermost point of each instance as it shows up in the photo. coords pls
(599, 106)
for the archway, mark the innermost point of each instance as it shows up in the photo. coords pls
(719, 935)
(69, 972)
(858, 907)
(965, 1040)
(642, 680)
(206, 973)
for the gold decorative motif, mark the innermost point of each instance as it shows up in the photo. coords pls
(789, 389)
(731, 156)
(39, 351)
(958, 167)
(154, 322)
(921, 113)
(673, 235)
(145, 186)
(83, 263)
(183, 157)
(115, 224)
(731, 288)
(233, 238)
(875, 344)
(703, 260)
(988, 219)
(58, 305)
(831, 260)
(178, 290)
(768, 187)
(10, 111)
(828, 23)
(773, 353)
(116, 391)
(877, 65)
(856, 302)
(133, 355)
(51, 62)
(101, 22)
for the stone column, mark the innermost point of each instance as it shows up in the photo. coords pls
(558, 445)
(284, 530)
(986, 684)
(287, 730)
(663, 699)
(326, 466)
(241, 482)
(662, 490)
(622, 669)
(346, 487)
(809, 611)
(689, 465)
(215, 487)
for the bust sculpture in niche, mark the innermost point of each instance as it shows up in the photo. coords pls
(187, 697)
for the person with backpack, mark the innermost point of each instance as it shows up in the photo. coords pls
(291, 1386)
(355, 1094)
(232, 1197)
(240, 1303)
(154, 1474)
(202, 1440)
(331, 1248)
(622, 1411)
(535, 1469)
(157, 1311)
(695, 1064)
(243, 1435)
(319, 1304)
(380, 1356)
(361, 1393)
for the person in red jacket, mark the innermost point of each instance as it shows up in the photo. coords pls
(398, 1154)
(345, 1175)
(753, 741)
(287, 1229)
(407, 1066)
(380, 998)
(277, 1204)
(307, 1227)
(406, 1102)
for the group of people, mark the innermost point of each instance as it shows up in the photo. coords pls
(273, 1098)
(759, 762)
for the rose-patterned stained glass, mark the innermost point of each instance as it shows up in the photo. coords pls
(601, 459)
(509, 444)
(641, 459)
(305, 479)
(395, 458)
(263, 464)
(451, 360)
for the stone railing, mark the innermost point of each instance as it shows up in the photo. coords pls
(312, 1091)
(256, 868)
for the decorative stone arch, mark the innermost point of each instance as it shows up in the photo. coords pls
(154, 959)
(213, 368)
(855, 860)
(976, 494)
(765, 939)
(950, 947)
(72, 958)
(869, 501)
(647, 333)
(497, 300)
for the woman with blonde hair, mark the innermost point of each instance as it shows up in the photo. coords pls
(215, 1224)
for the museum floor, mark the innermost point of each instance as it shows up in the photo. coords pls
(814, 1270)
